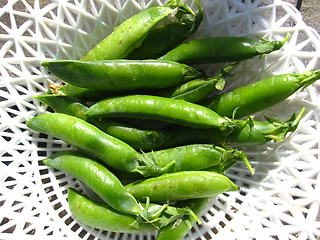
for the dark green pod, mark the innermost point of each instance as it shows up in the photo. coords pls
(221, 49)
(121, 75)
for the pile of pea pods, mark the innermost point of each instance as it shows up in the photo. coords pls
(150, 138)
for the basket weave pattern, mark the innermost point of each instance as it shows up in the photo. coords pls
(281, 201)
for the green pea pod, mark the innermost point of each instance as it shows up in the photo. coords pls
(248, 133)
(160, 108)
(162, 39)
(97, 177)
(190, 158)
(130, 34)
(260, 95)
(121, 75)
(102, 216)
(88, 138)
(138, 138)
(221, 49)
(181, 186)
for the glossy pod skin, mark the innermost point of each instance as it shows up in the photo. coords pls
(102, 216)
(221, 49)
(88, 138)
(121, 75)
(191, 158)
(162, 39)
(97, 177)
(130, 33)
(181, 186)
(138, 138)
(165, 109)
(257, 96)
(248, 133)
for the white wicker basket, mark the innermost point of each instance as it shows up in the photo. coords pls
(282, 199)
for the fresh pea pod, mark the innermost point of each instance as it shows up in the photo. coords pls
(221, 49)
(160, 108)
(88, 138)
(97, 177)
(162, 39)
(191, 158)
(102, 216)
(121, 75)
(181, 186)
(138, 138)
(248, 133)
(130, 34)
(257, 96)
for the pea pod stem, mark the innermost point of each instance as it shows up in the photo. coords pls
(246, 100)
(177, 232)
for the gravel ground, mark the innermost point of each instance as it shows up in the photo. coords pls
(310, 12)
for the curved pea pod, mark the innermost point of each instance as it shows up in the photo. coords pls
(88, 138)
(181, 186)
(102, 216)
(191, 158)
(130, 34)
(160, 108)
(248, 133)
(138, 138)
(162, 39)
(97, 177)
(260, 95)
(121, 75)
(221, 49)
